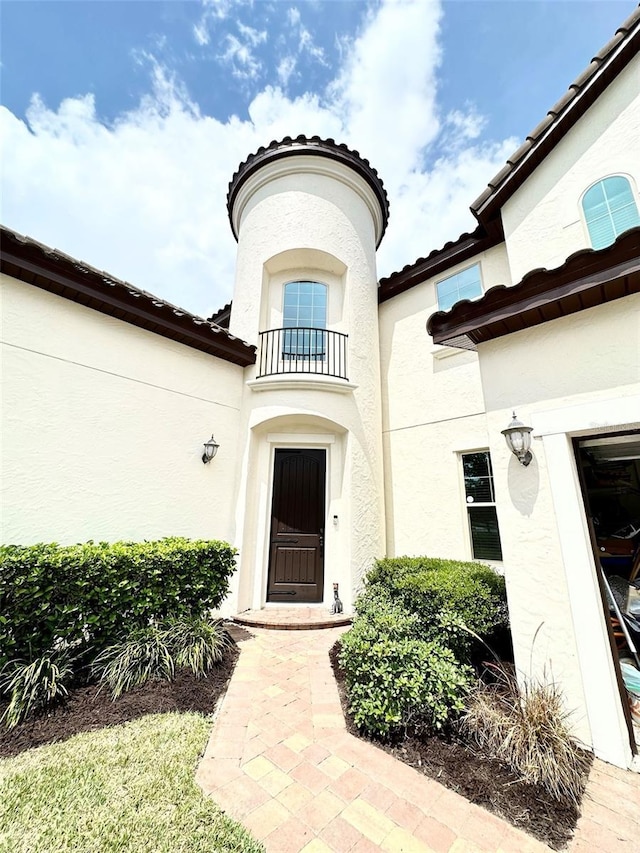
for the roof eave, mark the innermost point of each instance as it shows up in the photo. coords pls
(587, 279)
(581, 95)
(40, 266)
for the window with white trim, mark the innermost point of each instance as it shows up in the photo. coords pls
(465, 284)
(481, 506)
(609, 209)
(304, 319)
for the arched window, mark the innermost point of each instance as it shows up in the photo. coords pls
(609, 209)
(305, 310)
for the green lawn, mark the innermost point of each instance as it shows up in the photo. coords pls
(128, 789)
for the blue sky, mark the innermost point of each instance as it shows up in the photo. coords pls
(122, 122)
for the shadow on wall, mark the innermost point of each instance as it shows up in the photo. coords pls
(524, 484)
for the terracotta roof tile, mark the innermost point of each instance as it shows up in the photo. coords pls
(517, 155)
(52, 270)
(313, 145)
(454, 252)
(589, 84)
(587, 278)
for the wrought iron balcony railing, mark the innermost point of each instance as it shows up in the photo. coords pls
(303, 350)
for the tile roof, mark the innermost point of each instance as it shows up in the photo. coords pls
(439, 260)
(52, 270)
(586, 279)
(582, 93)
(315, 146)
(584, 90)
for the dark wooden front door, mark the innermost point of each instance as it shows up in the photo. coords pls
(296, 558)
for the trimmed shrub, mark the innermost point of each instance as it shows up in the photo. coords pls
(395, 680)
(91, 595)
(447, 596)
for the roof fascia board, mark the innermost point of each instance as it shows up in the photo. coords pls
(436, 264)
(527, 303)
(488, 208)
(239, 353)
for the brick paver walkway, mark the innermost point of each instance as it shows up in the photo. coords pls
(281, 761)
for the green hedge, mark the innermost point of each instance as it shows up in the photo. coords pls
(395, 680)
(91, 595)
(406, 658)
(444, 595)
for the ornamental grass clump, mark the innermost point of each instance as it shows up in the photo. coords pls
(197, 643)
(34, 685)
(155, 653)
(142, 657)
(527, 727)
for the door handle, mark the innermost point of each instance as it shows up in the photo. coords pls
(284, 541)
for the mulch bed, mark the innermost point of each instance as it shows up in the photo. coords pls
(482, 780)
(87, 709)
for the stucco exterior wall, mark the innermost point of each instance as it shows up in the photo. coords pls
(103, 426)
(312, 226)
(432, 411)
(543, 222)
(577, 370)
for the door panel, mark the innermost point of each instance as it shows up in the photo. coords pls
(296, 557)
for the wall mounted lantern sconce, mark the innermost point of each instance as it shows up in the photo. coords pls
(518, 438)
(210, 449)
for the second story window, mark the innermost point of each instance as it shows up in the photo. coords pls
(305, 311)
(609, 209)
(466, 284)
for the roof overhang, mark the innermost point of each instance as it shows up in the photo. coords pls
(587, 279)
(286, 152)
(563, 115)
(467, 246)
(51, 270)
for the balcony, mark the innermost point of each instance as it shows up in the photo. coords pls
(315, 352)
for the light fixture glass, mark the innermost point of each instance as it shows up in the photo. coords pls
(210, 449)
(518, 438)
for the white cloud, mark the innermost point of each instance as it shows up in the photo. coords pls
(307, 45)
(285, 69)
(213, 12)
(144, 198)
(253, 37)
(239, 54)
(388, 86)
(465, 125)
(240, 58)
(201, 33)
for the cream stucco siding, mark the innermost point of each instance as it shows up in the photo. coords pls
(103, 425)
(543, 221)
(579, 365)
(432, 411)
(309, 218)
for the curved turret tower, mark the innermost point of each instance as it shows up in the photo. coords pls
(308, 215)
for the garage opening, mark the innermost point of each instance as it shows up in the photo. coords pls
(609, 469)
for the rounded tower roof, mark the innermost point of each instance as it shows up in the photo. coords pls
(314, 146)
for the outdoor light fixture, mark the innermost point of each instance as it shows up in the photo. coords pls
(518, 438)
(210, 449)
